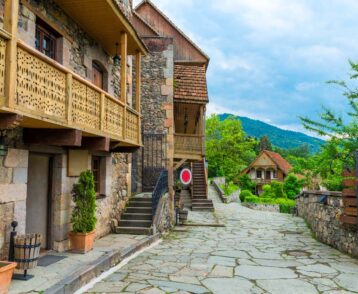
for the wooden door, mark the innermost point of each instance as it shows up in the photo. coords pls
(97, 76)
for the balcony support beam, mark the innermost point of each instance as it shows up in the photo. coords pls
(96, 143)
(124, 72)
(53, 137)
(10, 121)
(138, 80)
(11, 12)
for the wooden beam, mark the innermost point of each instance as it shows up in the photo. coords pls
(9, 121)
(53, 137)
(11, 12)
(180, 163)
(138, 80)
(125, 149)
(96, 143)
(124, 44)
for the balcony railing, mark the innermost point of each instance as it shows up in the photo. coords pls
(189, 144)
(47, 91)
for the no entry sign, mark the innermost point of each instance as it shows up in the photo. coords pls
(186, 176)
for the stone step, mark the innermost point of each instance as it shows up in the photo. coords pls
(139, 204)
(135, 223)
(202, 209)
(141, 199)
(134, 230)
(145, 210)
(136, 216)
(194, 205)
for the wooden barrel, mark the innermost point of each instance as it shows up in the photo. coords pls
(27, 250)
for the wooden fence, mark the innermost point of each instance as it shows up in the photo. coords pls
(350, 195)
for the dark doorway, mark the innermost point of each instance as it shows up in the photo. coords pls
(154, 159)
(39, 197)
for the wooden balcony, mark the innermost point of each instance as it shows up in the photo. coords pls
(190, 147)
(49, 95)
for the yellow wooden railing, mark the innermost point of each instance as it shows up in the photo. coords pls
(47, 91)
(189, 144)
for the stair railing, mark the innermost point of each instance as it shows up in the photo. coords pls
(160, 189)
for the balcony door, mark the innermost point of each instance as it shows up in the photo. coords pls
(97, 75)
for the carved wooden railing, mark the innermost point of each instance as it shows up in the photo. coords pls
(47, 91)
(189, 144)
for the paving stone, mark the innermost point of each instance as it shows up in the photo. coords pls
(134, 287)
(222, 260)
(283, 285)
(222, 271)
(228, 286)
(317, 268)
(178, 286)
(262, 272)
(348, 282)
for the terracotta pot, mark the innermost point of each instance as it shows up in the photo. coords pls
(81, 242)
(6, 271)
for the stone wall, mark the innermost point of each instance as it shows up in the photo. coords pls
(262, 207)
(162, 221)
(323, 218)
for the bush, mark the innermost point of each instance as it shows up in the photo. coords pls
(84, 213)
(292, 186)
(244, 194)
(229, 188)
(277, 190)
(245, 183)
(252, 199)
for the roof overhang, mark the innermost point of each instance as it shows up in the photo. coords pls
(103, 21)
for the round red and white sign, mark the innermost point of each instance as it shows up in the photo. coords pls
(186, 176)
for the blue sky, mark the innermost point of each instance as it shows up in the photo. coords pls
(270, 59)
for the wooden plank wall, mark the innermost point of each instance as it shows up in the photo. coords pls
(350, 196)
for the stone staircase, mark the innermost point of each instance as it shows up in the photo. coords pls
(200, 199)
(137, 218)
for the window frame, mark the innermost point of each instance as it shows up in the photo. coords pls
(42, 31)
(97, 172)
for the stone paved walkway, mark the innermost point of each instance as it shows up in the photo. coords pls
(257, 252)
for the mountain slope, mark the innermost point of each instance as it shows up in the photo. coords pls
(279, 137)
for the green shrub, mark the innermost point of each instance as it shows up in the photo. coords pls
(292, 186)
(244, 194)
(245, 183)
(229, 188)
(252, 199)
(83, 217)
(277, 190)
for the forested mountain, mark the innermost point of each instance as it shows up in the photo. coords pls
(279, 137)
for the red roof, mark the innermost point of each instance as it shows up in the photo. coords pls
(190, 82)
(279, 160)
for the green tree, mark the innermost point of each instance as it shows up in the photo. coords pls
(245, 182)
(84, 213)
(265, 144)
(292, 186)
(342, 134)
(228, 150)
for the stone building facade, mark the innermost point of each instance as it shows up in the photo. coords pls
(322, 211)
(78, 52)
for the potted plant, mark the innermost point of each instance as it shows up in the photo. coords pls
(6, 270)
(83, 217)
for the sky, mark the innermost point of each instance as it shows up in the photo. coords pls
(271, 59)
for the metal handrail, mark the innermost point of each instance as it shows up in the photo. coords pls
(160, 189)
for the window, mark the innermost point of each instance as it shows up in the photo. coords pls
(274, 174)
(259, 174)
(268, 175)
(46, 39)
(96, 170)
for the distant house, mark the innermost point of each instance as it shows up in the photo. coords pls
(267, 167)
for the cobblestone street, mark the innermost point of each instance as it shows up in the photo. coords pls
(257, 252)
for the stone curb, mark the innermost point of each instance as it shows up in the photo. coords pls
(78, 279)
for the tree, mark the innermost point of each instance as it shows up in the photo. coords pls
(265, 144)
(292, 186)
(342, 134)
(227, 148)
(245, 182)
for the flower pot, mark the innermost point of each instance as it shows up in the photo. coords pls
(81, 242)
(6, 271)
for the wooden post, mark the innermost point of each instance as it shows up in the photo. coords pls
(69, 98)
(124, 44)
(102, 105)
(11, 12)
(138, 81)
